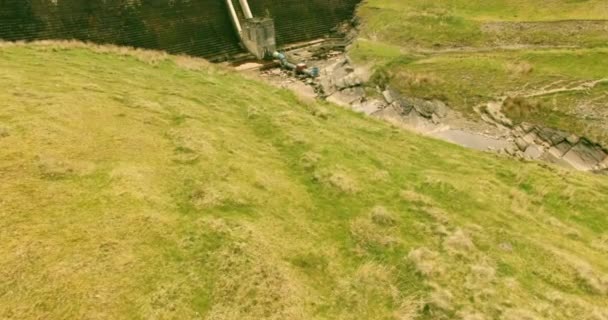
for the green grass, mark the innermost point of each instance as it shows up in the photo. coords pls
(468, 53)
(465, 81)
(446, 23)
(137, 185)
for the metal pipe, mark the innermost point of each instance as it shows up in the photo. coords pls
(298, 69)
(235, 18)
(246, 9)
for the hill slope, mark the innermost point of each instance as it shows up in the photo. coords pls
(136, 185)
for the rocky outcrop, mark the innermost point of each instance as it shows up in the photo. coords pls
(343, 84)
(535, 142)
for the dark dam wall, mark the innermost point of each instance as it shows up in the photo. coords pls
(300, 20)
(194, 27)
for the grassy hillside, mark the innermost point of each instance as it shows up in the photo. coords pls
(140, 186)
(549, 53)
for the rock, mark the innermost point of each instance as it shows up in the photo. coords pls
(604, 164)
(551, 136)
(441, 110)
(424, 108)
(533, 152)
(511, 150)
(573, 139)
(521, 144)
(389, 114)
(406, 108)
(348, 81)
(388, 96)
(530, 138)
(545, 134)
(404, 105)
(493, 110)
(585, 155)
(559, 137)
(563, 147)
(369, 107)
(526, 127)
(347, 61)
(435, 119)
(327, 86)
(347, 97)
(593, 150)
(340, 83)
(338, 76)
(555, 152)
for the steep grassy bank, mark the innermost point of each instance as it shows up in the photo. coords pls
(136, 185)
(473, 52)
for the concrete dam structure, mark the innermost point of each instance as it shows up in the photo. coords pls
(195, 27)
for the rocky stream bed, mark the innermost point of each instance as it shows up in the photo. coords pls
(343, 83)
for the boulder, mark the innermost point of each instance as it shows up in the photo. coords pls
(559, 137)
(593, 150)
(441, 110)
(388, 96)
(347, 97)
(533, 152)
(573, 139)
(545, 134)
(493, 110)
(390, 114)
(424, 108)
(563, 147)
(531, 137)
(403, 105)
(435, 119)
(521, 144)
(585, 155)
(552, 136)
(369, 107)
(348, 81)
(604, 164)
(527, 127)
(511, 150)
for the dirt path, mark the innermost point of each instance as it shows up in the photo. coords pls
(584, 86)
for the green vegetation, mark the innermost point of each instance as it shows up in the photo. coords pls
(468, 53)
(138, 185)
